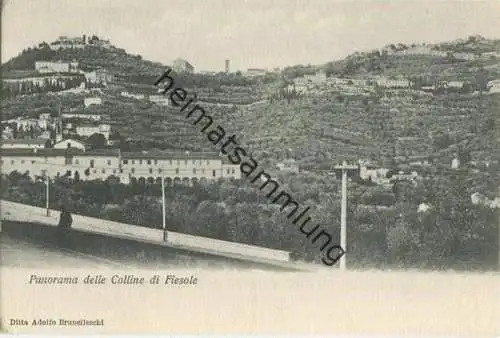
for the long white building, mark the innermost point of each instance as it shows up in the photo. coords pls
(127, 166)
(56, 67)
(87, 130)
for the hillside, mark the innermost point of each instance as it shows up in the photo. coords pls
(457, 60)
(116, 60)
(320, 128)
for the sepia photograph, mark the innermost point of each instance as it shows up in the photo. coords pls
(250, 167)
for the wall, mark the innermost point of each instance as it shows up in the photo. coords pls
(115, 248)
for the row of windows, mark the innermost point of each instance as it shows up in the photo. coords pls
(69, 161)
(149, 162)
(22, 161)
(132, 170)
(170, 162)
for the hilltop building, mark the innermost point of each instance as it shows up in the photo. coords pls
(64, 42)
(251, 72)
(72, 144)
(88, 101)
(393, 83)
(288, 165)
(161, 100)
(182, 66)
(133, 95)
(100, 76)
(87, 130)
(56, 67)
(372, 172)
(37, 143)
(85, 116)
(494, 86)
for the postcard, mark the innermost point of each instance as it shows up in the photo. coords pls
(298, 167)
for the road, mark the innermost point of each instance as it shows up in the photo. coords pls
(23, 254)
(27, 254)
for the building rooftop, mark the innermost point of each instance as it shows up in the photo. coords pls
(41, 152)
(72, 140)
(113, 153)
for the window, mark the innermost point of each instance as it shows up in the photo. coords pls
(77, 162)
(203, 170)
(140, 161)
(125, 161)
(133, 161)
(213, 173)
(177, 170)
(109, 162)
(68, 145)
(150, 170)
(132, 170)
(121, 171)
(149, 162)
(232, 171)
(228, 171)
(156, 162)
(32, 162)
(185, 162)
(170, 162)
(92, 164)
(12, 161)
(114, 171)
(22, 161)
(94, 171)
(194, 171)
(103, 171)
(159, 170)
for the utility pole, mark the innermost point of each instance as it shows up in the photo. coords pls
(47, 184)
(163, 208)
(343, 213)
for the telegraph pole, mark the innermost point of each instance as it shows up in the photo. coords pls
(163, 208)
(47, 184)
(343, 211)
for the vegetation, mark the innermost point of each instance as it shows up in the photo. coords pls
(385, 229)
(319, 129)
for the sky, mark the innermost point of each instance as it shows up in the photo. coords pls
(250, 33)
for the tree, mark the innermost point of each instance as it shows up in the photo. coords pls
(97, 140)
(464, 155)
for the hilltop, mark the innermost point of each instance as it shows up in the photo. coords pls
(458, 60)
(89, 56)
